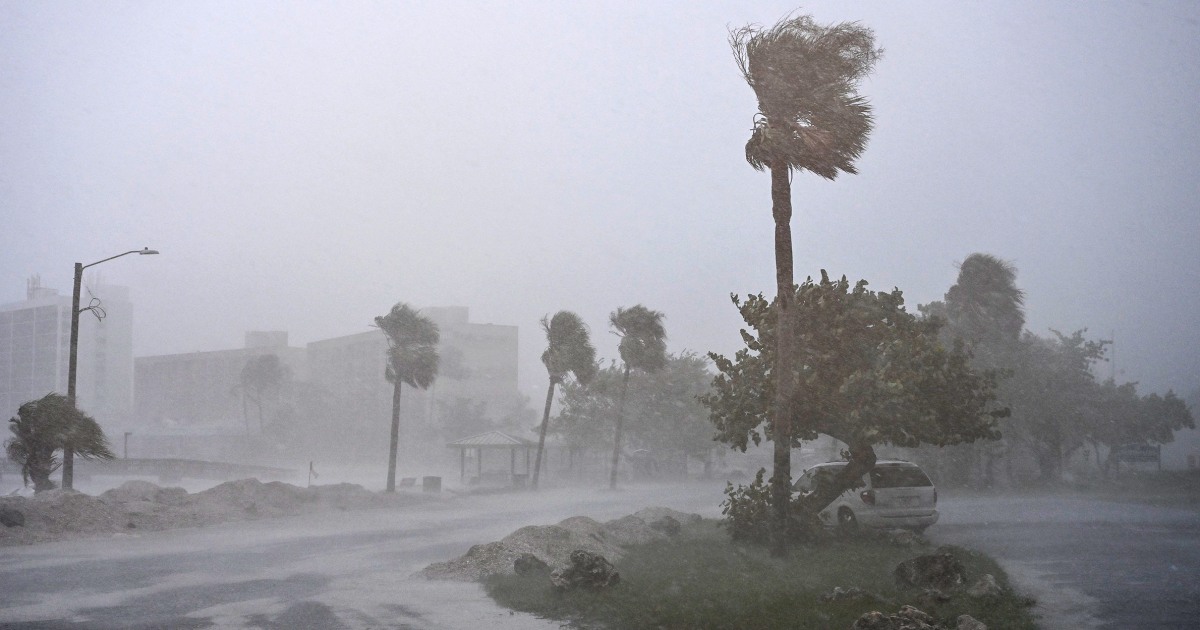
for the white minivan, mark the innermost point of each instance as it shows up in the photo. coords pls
(896, 494)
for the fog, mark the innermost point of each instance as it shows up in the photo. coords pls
(303, 167)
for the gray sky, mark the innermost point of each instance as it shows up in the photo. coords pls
(303, 166)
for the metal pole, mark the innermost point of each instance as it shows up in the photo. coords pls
(68, 467)
(129, 433)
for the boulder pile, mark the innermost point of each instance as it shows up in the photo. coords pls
(553, 545)
(141, 505)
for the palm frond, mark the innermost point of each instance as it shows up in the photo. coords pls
(413, 338)
(805, 76)
(569, 348)
(643, 338)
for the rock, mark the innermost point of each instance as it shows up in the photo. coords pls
(985, 586)
(529, 564)
(901, 537)
(652, 514)
(667, 525)
(838, 594)
(631, 530)
(940, 570)
(588, 570)
(11, 517)
(480, 561)
(967, 622)
(908, 618)
(931, 597)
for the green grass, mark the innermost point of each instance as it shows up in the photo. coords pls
(703, 580)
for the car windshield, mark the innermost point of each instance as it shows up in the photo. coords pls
(899, 477)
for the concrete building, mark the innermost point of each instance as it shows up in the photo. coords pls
(477, 374)
(35, 341)
(337, 402)
(202, 389)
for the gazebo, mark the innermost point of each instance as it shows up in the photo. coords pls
(493, 440)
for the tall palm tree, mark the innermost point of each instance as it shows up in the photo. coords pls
(985, 305)
(43, 427)
(412, 357)
(568, 350)
(643, 347)
(810, 117)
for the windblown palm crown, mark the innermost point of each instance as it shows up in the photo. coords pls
(806, 76)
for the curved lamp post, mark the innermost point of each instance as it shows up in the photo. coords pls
(68, 464)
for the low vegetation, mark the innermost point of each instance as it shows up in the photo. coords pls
(703, 580)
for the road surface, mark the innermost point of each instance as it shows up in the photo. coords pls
(1091, 564)
(338, 570)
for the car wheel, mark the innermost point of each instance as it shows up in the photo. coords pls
(846, 520)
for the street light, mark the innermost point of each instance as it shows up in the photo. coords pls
(68, 465)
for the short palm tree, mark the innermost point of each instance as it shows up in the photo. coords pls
(810, 117)
(45, 426)
(643, 347)
(412, 357)
(568, 350)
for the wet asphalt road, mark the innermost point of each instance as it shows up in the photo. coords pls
(1091, 564)
(333, 571)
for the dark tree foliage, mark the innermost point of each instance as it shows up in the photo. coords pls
(45, 426)
(865, 372)
(985, 306)
(412, 358)
(664, 415)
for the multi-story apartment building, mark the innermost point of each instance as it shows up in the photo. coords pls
(478, 369)
(204, 389)
(35, 338)
(336, 394)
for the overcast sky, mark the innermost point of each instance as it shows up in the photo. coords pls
(303, 166)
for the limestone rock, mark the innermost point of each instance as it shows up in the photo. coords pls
(529, 564)
(940, 570)
(985, 586)
(967, 622)
(587, 570)
(11, 517)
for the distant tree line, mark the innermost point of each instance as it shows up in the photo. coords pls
(1060, 410)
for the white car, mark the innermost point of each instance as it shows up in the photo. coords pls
(896, 494)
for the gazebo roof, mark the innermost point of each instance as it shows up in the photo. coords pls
(492, 439)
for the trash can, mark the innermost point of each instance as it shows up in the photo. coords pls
(431, 484)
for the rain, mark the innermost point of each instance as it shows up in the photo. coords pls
(365, 285)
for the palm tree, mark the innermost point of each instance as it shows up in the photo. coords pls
(810, 117)
(43, 427)
(261, 375)
(985, 305)
(568, 350)
(412, 358)
(643, 347)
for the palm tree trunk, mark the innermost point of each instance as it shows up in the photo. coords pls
(537, 466)
(781, 210)
(612, 480)
(391, 478)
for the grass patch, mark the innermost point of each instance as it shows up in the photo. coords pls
(701, 579)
